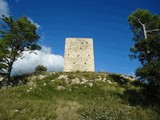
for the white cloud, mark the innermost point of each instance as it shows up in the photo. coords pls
(4, 9)
(44, 57)
(36, 24)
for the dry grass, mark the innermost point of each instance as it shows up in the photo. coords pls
(67, 110)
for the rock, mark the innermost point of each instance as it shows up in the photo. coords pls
(133, 79)
(90, 84)
(32, 78)
(16, 110)
(108, 81)
(9, 86)
(99, 78)
(28, 91)
(104, 79)
(76, 81)
(60, 88)
(1, 79)
(65, 77)
(52, 80)
(128, 77)
(44, 84)
(20, 82)
(41, 77)
(4, 87)
(84, 80)
(31, 83)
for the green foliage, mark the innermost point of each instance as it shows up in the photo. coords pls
(16, 36)
(151, 73)
(119, 79)
(40, 69)
(147, 48)
(145, 17)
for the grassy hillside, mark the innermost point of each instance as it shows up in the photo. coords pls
(76, 96)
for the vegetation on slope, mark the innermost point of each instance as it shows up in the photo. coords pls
(73, 96)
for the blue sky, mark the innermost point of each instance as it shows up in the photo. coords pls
(103, 20)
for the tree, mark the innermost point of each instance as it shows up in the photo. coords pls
(146, 29)
(16, 37)
(40, 69)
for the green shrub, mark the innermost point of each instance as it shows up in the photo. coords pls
(40, 69)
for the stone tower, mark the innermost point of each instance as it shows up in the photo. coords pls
(79, 55)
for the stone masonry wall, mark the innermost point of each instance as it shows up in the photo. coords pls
(79, 55)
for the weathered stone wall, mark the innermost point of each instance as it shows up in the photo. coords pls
(79, 55)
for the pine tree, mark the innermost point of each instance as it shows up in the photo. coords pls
(146, 29)
(16, 37)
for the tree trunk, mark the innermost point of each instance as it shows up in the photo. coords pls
(9, 71)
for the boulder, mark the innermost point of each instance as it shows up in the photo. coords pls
(60, 87)
(65, 77)
(76, 81)
(108, 81)
(90, 84)
(41, 77)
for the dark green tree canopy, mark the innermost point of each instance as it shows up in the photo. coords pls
(139, 17)
(146, 29)
(16, 36)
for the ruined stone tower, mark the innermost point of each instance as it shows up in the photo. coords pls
(79, 55)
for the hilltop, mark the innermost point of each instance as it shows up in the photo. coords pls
(76, 95)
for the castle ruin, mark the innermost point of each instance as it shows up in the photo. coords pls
(79, 55)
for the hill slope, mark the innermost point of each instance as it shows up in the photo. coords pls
(73, 96)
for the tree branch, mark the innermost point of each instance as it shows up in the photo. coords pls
(153, 30)
(6, 61)
(140, 22)
(2, 71)
(144, 29)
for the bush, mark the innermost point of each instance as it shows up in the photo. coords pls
(150, 73)
(40, 69)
